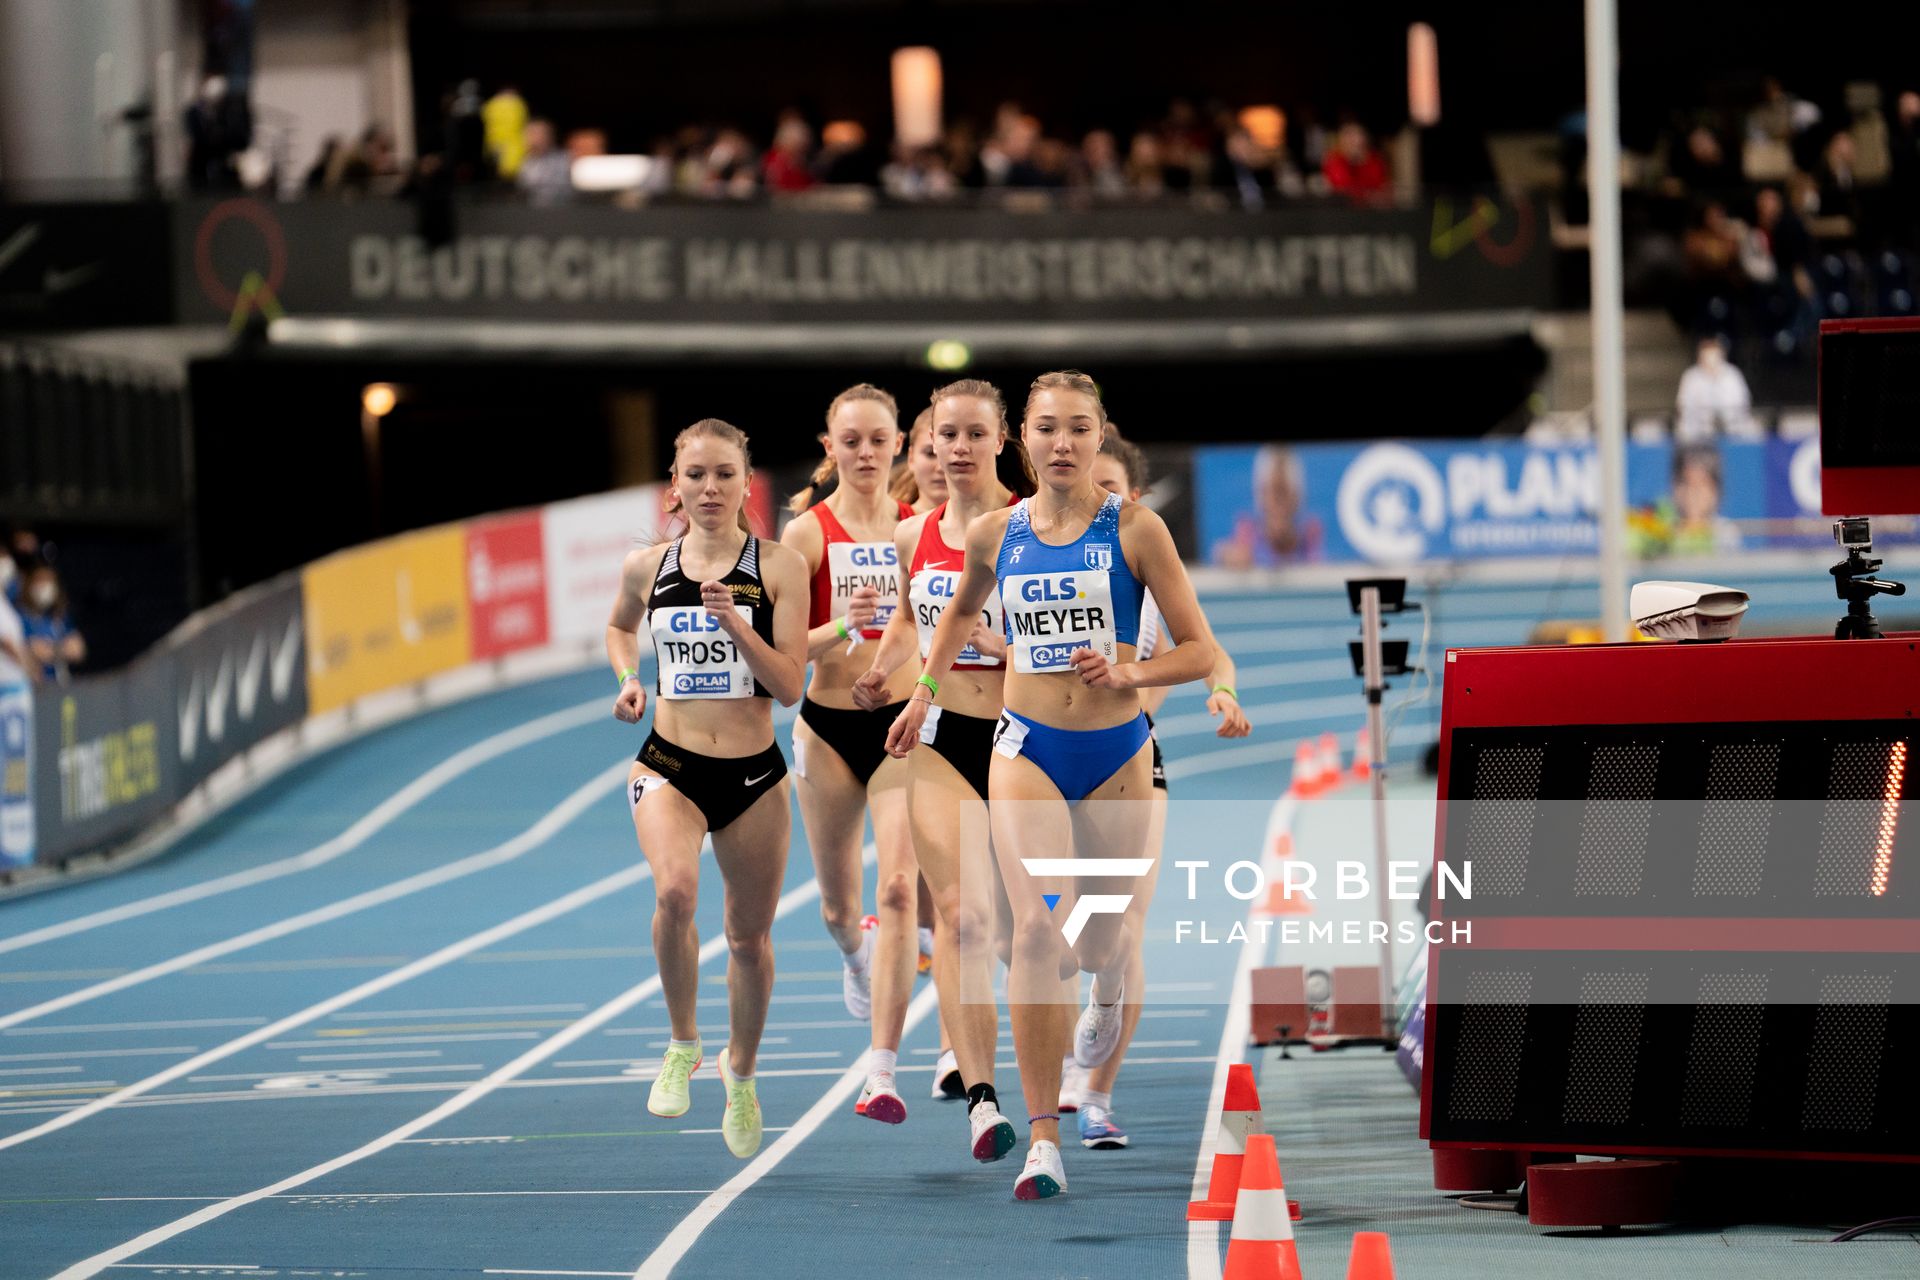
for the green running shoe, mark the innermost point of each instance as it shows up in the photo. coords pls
(668, 1097)
(740, 1126)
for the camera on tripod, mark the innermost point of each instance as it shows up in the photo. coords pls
(1854, 582)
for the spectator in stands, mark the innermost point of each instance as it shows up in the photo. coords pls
(1712, 248)
(1354, 167)
(323, 176)
(1839, 184)
(467, 134)
(961, 154)
(219, 127)
(1903, 143)
(919, 173)
(1146, 170)
(16, 663)
(503, 125)
(52, 642)
(788, 164)
(1701, 166)
(1245, 168)
(1782, 117)
(545, 174)
(1101, 170)
(1713, 396)
(1009, 154)
(846, 159)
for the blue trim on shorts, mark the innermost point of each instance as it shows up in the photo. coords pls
(1079, 760)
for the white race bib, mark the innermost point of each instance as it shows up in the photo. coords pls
(929, 592)
(864, 564)
(698, 659)
(1052, 614)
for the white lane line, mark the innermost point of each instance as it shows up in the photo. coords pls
(1203, 1238)
(190, 1266)
(458, 1102)
(465, 1038)
(482, 861)
(83, 1054)
(369, 1057)
(38, 1071)
(381, 1195)
(662, 1260)
(504, 1271)
(77, 1028)
(380, 816)
(359, 1014)
(551, 824)
(380, 1071)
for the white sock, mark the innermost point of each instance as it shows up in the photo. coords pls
(693, 1044)
(857, 959)
(926, 940)
(886, 1060)
(1094, 1098)
(1100, 981)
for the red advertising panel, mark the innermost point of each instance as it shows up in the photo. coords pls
(506, 584)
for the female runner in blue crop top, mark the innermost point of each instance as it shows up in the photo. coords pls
(1071, 564)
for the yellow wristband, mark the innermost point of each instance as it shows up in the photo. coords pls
(933, 686)
(840, 626)
(1228, 690)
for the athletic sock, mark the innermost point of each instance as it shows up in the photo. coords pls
(857, 958)
(980, 1093)
(887, 1060)
(693, 1044)
(1094, 1098)
(926, 940)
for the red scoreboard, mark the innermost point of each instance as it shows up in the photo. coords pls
(1695, 901)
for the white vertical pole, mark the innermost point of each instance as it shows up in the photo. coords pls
(1609, 360)
(1375, 682)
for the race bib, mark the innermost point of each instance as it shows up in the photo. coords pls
(1051, 614)
(928, 592)
(697, 659)
(864, 564)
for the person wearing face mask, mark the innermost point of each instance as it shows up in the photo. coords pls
(52, 643)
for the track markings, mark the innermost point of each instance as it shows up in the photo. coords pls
(661, 1262)
(555, 820)
(498, 855)
(89, 1028)
(379, 817)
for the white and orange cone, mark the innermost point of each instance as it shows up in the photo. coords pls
(1362, 755)
(1331, 772)
(1306, 771)
(1239, 1120)
(1261, 1246)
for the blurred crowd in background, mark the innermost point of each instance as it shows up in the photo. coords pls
(37, 632)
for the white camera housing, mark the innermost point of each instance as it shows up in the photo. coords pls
(1687, 610)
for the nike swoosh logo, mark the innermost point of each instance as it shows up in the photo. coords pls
(59, 281)
(763, 777)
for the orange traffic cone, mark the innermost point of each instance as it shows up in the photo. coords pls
(1283, 845)
(1282, 899)
(1261, 1246)
(1331, 774)
(1306, 771)
(1371, 1259)
(1239, 1119)
(1362, 755)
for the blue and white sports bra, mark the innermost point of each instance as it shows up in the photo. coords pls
(1058, 599)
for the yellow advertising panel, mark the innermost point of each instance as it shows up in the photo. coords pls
(385, 614)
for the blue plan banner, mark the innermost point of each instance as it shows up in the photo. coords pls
(1403, 502)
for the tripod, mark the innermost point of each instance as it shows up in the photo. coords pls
(1853, 580)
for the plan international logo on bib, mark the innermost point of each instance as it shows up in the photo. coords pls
(703, 682)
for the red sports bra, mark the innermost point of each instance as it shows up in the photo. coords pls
(846, 564)
(932, 579)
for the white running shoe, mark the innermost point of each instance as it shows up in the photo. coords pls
(926, 949)
(1043, 1175)
(947, 1084)
(881, 1100)
(856, 984)
(1073, 1084)
(993, 1134)
(1098, 1030)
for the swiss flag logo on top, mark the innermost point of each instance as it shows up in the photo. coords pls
(506, 584)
